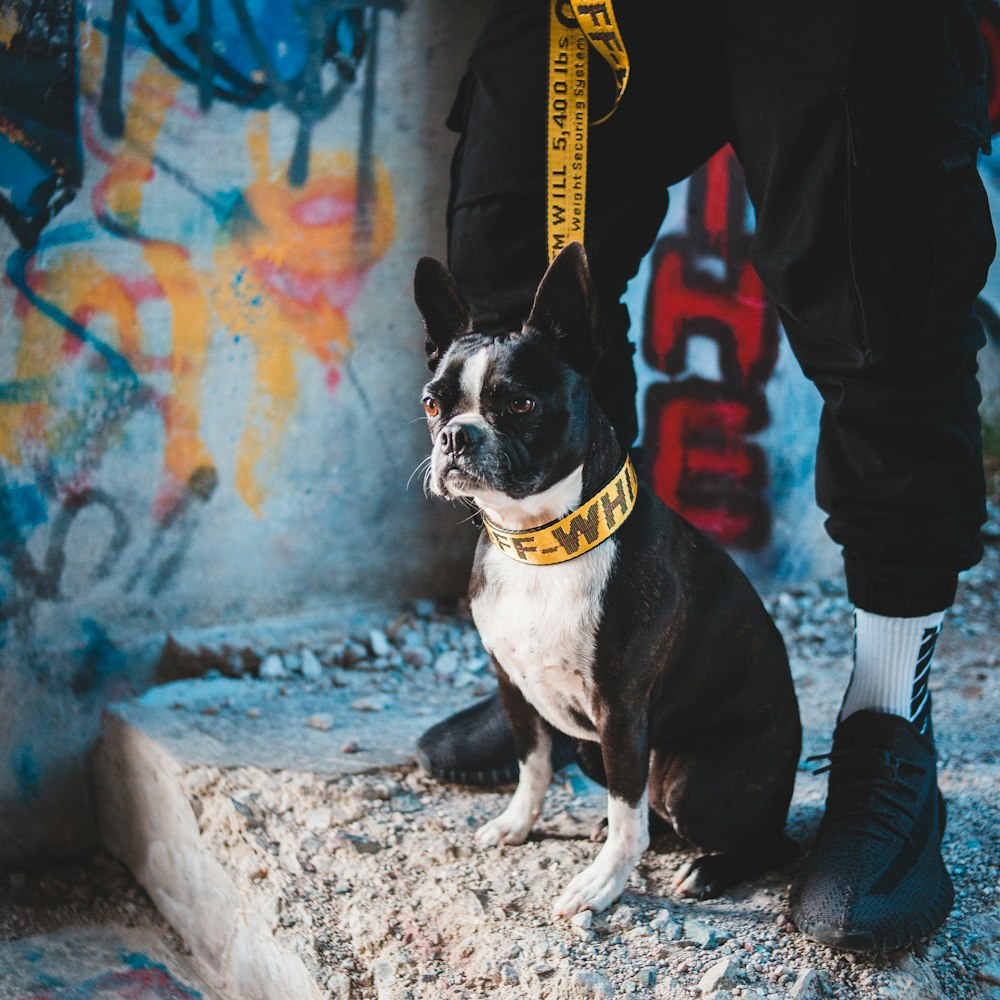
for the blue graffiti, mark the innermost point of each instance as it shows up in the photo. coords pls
(37, 575)
(254, 53)
(141, 977)
(22, 509)
(21, 176)
(41, 158)
(98, 660)
(17, 265)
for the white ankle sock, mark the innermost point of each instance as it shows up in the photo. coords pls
(892, 661)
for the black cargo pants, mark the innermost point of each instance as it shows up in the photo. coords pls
(858, 125)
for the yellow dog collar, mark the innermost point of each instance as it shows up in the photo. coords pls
(579, 531)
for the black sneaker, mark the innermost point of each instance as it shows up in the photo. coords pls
(874, 879)
(476, 747)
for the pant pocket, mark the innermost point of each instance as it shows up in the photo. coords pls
(920, 230)
(922, 241)
(925, 101)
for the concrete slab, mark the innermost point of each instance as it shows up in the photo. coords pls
(154, 751)
(277, 726)
(98, 963)
(148, 821)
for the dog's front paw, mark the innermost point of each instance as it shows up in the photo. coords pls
(510, 827)
(596, 887)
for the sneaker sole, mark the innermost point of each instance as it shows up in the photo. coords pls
(561, 756)
(480, 779)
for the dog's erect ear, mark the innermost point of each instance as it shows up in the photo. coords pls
(441, 303)
(566, 309)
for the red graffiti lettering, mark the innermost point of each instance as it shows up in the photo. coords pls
(710, 473)
(734, 317)
(989, 28)
(698, 455)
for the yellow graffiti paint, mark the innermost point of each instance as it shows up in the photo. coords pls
(283, 275)
(153, 94)
(294, 265)
(274, 398)
(91, 52)
(184, 451)
(82, 289)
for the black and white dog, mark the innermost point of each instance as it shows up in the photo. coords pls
(608, 616)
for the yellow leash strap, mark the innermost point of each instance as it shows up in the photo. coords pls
(579, 531)
(574, 25)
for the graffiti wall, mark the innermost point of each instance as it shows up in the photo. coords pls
(209, 357)
(209, 354)
(727, 420)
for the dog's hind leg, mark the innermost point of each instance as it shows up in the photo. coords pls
(589, 760)
(712, 874)
(729, 799)
(591, 763)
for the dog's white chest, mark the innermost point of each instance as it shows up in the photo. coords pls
(540, 622)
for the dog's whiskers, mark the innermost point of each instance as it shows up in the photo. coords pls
(475, 512)
(426, 462)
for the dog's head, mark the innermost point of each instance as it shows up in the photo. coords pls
(508, 414)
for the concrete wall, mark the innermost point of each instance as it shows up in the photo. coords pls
(210, 360)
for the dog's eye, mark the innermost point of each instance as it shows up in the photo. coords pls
(431, 406)
(520, 405)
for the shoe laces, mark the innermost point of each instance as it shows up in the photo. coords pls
(866, 787)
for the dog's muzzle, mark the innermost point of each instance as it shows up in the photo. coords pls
(460, 440)
(464, 458)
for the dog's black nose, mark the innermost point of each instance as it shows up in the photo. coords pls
(456, 439)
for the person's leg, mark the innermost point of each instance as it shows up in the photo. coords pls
(663, 129)
(497, 210)
(874, 238)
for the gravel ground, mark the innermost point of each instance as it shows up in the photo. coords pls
(375, 881)
(92, 892)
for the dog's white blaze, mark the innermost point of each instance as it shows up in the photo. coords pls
(473, 376)
(471, 380)
(603, 880)
(540, 622)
